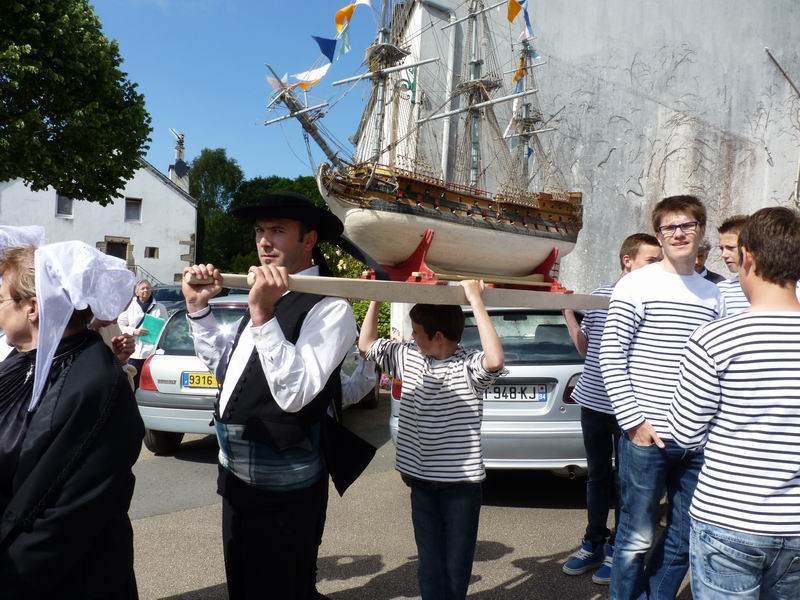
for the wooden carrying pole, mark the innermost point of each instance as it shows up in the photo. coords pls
(415, 293)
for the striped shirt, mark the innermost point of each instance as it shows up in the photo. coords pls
(651, 316)
(739, 394)
(591, 391)
(441, 407)
(733, 297)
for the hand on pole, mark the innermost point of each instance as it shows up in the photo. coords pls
(270, 284)
(198, 295)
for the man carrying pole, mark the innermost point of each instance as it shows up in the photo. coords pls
(279, 374)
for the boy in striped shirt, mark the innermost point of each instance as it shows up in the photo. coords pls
(732, 295)
(652, 313)
(739, 397)
(599, 426)
(439, 433)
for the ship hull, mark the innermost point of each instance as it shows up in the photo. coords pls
(390, 233)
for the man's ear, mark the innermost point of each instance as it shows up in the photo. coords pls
(746, 262)
(310, 239)
(626, 261)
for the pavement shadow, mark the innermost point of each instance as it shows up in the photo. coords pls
(539, 578)
(204, 450)
(344, 567)
(372, 424)
(215, 592)
(533, 489)
(400, 582)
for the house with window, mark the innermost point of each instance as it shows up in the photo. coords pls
(152, 226)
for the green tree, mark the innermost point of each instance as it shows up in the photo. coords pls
(69, 117)
(213, 180)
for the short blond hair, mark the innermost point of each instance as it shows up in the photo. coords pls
(17, 267)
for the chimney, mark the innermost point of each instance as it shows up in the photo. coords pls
(179, 172)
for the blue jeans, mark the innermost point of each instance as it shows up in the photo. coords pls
(445, 518)
(644, 474)
(600, 438)
(732, 564)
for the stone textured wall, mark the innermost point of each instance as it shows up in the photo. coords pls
(662, 98)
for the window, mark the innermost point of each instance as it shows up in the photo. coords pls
(150, 252)
(527, 336)
(133, 209)
(63, 206)
(176, 339)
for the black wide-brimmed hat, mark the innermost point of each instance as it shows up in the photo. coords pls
(290, 205)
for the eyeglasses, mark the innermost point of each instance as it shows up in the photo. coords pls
(669, 230)
(4, 300)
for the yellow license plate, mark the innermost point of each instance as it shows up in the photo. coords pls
(198, 379)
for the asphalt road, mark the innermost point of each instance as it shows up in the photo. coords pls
(530, 524)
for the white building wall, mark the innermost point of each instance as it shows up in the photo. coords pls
(167, 218)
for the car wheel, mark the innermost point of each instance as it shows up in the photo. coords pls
(162, 442)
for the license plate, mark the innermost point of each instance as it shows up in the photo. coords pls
(531, 393)
(198, 379)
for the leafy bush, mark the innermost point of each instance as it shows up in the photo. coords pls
(360, 311)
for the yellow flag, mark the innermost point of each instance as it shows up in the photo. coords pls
(513, 10)
(520, 72)
(345, 14)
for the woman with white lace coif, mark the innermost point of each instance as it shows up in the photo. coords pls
(70, 430)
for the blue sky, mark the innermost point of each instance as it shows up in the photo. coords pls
(201, 67)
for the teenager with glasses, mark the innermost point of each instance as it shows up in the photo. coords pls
(652, 313)
(598, 424)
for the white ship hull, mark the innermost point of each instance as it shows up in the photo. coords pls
(391, 237)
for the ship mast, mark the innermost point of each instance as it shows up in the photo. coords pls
(380, 88)
(477, 89)
(306, 118)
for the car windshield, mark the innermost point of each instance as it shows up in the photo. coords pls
(527, 337)
(168, 294)
(176, 339)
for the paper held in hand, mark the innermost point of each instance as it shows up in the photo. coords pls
(153, 325)
(416, 293)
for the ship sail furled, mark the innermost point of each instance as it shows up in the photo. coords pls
(450, 141)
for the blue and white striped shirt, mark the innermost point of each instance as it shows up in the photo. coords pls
(739, 396)
(651, 316)
(733, 297)
(591, 390)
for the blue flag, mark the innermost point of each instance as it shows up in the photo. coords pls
(326, 46)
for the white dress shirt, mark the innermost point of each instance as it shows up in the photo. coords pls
(295, 373)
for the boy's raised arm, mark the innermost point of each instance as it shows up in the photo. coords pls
(493, 359)
(369, 328)
(576, 334)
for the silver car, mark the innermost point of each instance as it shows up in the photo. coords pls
(176, 392)
(529, 418)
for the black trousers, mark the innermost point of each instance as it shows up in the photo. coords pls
(271, 539)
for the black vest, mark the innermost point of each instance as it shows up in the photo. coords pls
(251, 403)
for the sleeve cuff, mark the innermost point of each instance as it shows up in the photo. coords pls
(199, 314)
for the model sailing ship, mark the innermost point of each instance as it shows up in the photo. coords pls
(436, 82)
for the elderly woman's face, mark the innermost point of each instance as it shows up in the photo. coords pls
(15, 319)
(143, 292)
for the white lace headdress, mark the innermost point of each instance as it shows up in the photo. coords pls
(74, 276)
